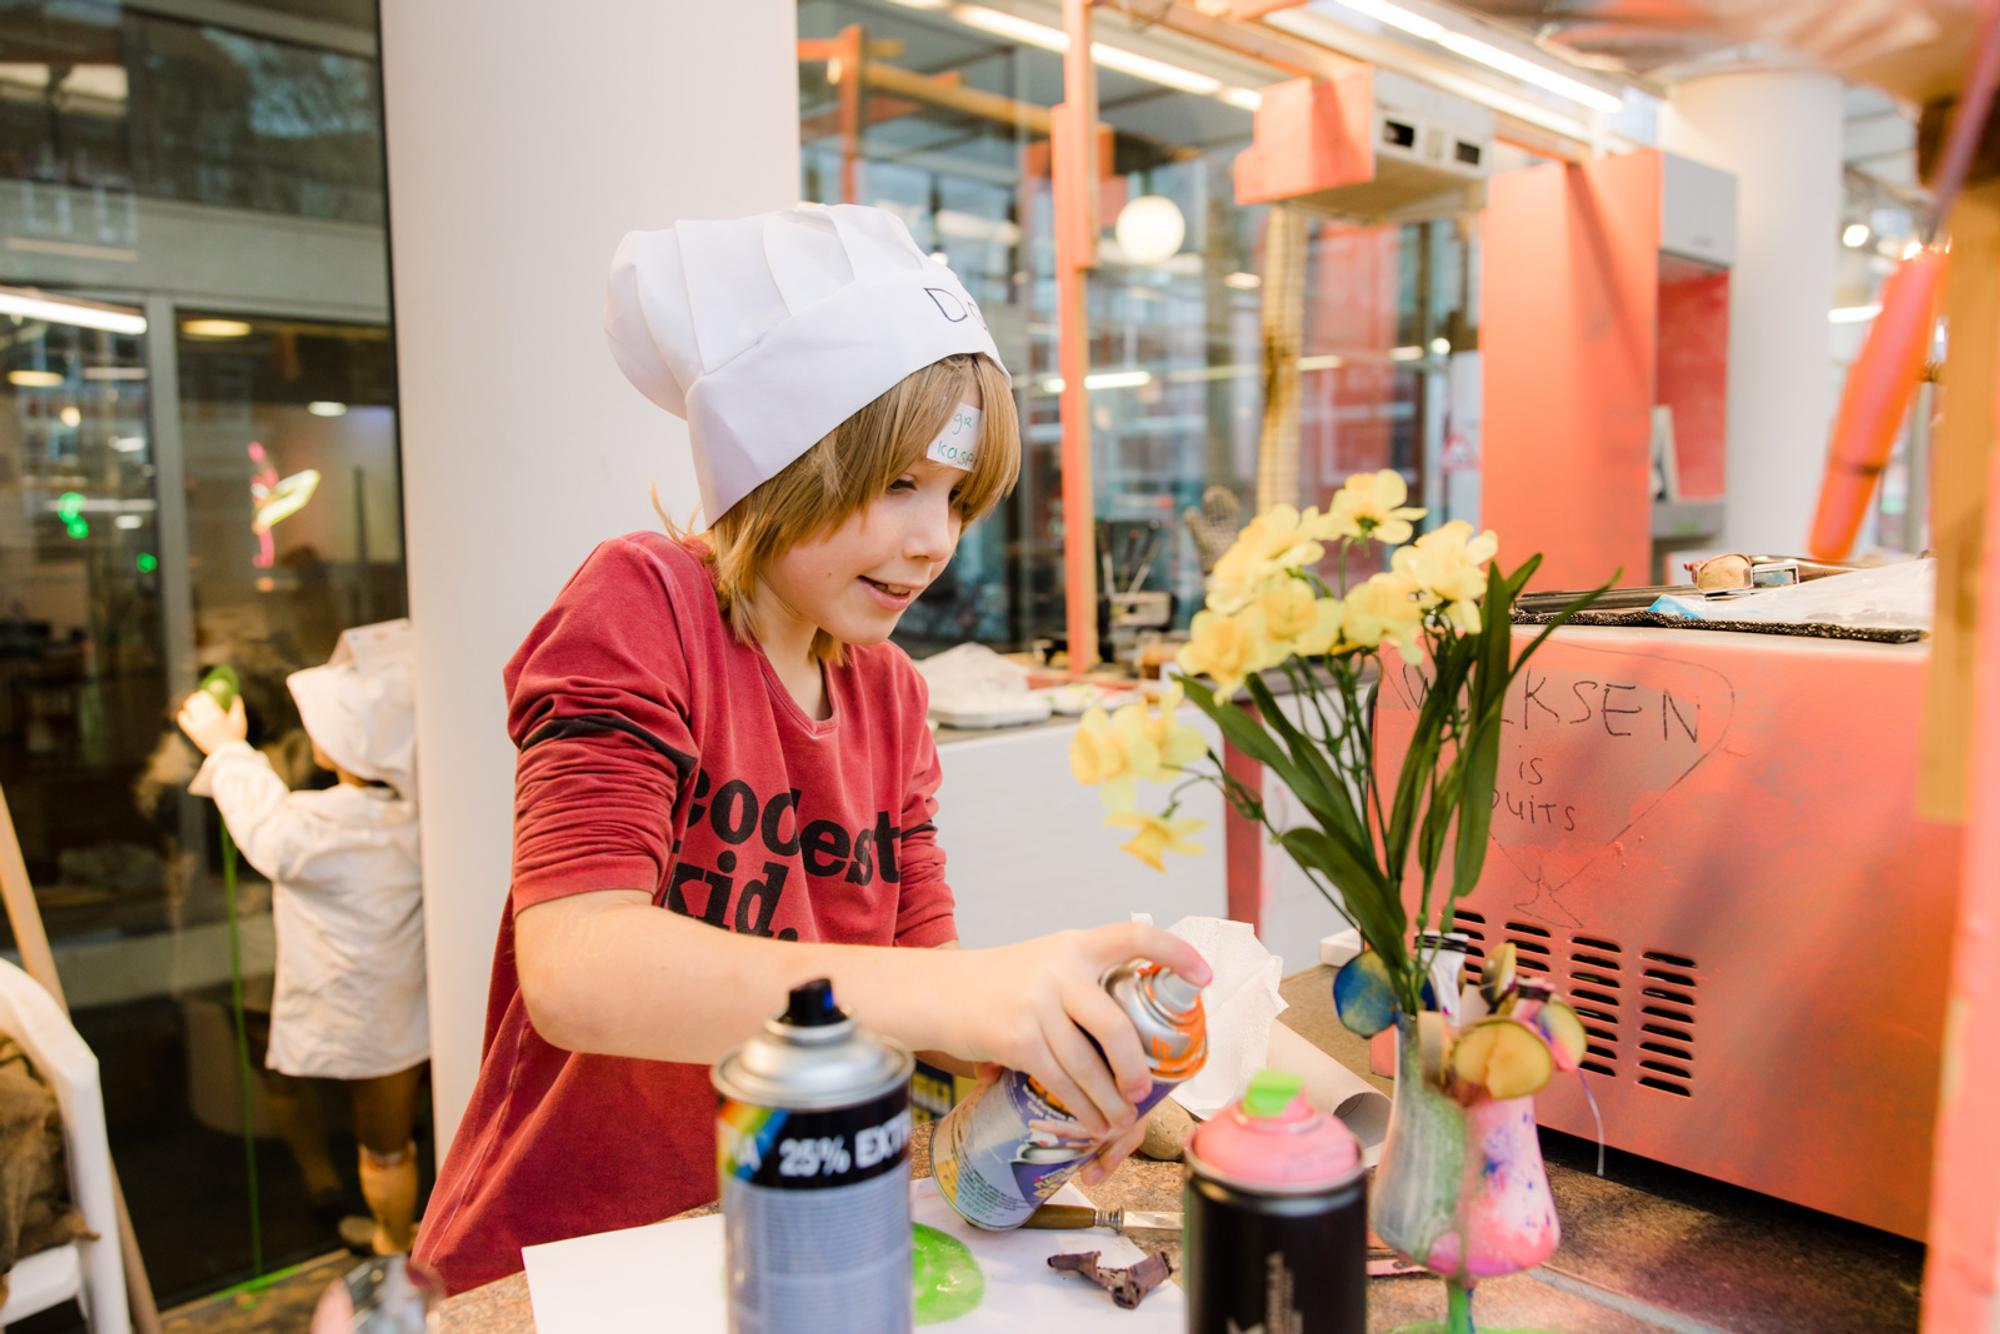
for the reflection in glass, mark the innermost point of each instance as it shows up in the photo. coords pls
(99, 95)
(1177, 376)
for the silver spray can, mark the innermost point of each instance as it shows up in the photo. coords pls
(812, 1146)
(1001, 1153)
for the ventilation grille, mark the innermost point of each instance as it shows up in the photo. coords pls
(1639, 1014)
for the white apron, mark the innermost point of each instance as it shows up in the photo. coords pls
(347, 905)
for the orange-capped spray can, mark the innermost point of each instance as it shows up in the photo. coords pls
(1001, 1153)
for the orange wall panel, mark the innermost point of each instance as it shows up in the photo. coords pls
(1568, 303)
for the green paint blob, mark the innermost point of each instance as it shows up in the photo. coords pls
(948, 1281)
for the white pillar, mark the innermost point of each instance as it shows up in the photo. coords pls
(523, 141)
(1779, 132)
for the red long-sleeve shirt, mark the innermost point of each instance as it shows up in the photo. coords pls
(658, 752)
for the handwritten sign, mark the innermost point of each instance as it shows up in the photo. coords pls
(1592, 744)
(957, 445)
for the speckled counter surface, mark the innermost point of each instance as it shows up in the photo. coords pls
(1645, 1247)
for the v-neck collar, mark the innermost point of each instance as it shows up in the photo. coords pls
(789, 704)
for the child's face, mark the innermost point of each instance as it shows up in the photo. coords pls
(855, 582)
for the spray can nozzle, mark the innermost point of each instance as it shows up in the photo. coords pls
(811, 1005)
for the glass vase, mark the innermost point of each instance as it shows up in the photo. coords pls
(1461, 1190)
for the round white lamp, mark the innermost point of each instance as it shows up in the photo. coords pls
(1150, 229)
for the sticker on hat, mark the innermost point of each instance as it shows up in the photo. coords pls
(957, 444)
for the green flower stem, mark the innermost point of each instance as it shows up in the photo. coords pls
(1458, 1308)
(1250, 806)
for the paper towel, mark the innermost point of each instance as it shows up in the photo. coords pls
(1242, 1002)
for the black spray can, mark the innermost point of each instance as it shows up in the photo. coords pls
(1277, 1218)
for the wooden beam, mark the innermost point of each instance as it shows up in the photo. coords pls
(934, 90)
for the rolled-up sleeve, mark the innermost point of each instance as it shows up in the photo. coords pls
(924, 909)
(598, 709)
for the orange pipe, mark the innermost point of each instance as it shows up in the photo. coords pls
(1880, 386)
(1076, 178)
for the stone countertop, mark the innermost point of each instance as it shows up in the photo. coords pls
(1645, 1247)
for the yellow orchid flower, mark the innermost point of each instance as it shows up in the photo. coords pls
(1369, 505)
(1288, 607)
(1227, 648)
(1277, 540)
(1158, 744)
(1157, 835)
(1097, 758)
(1446, 562)
(1324, 632)
(1384, 610)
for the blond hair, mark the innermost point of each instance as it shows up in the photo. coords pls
(850, 466)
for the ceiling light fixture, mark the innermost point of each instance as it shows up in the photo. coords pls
(30, 304)
(1426, 29)
(1854, 235)
(1030, 33)
(1150, 229)
(212, 328)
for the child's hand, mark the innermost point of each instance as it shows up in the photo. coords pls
(1029, 1006)
(208, 726)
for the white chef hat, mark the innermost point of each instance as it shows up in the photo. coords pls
(765, 333)
(360, 709)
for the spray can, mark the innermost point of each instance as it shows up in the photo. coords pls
(1276, 1217)
(812, 1146)
(1008, 1147)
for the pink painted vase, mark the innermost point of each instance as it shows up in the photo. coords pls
(1461, 1190)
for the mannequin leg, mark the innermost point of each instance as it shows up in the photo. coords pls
(385, 1110)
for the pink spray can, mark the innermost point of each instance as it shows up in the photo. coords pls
(1277, 1217)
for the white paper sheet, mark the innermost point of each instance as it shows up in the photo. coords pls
(669, 1275)
(1332, 1087)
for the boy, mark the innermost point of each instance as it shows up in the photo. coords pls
(720, 729)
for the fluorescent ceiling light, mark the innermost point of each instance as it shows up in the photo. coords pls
(327, 409)
(1853, 314)
(1406, 354)
(1395, 16)
(130, 521)
(114, 372)
(1528, 71)
(1243, 282)
(29, 304)
(1158, 71)
(128, 444)
(1008, 25)
(1101, 380)
(921, 4)
(34, 379)
(1485, 53)
(1327, 362)
(1247, 98)
(214, 328)
(1030, 33)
